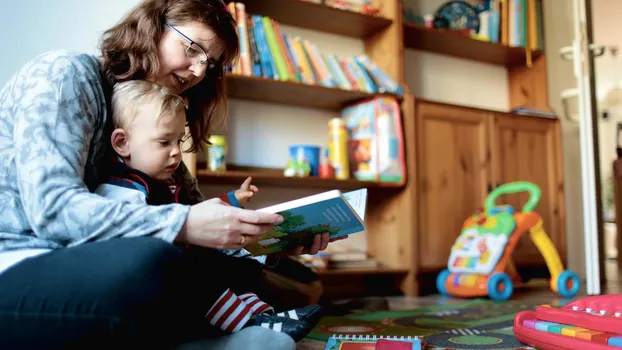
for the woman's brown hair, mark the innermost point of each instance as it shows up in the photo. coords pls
(130, 51)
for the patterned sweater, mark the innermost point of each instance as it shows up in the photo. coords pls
(54, 133)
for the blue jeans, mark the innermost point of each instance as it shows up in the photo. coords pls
(128, 293)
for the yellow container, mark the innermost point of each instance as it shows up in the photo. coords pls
(216, 152)
(338, 148)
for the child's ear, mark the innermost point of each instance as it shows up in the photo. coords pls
(120, 144)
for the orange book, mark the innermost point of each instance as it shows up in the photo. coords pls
(346, 71)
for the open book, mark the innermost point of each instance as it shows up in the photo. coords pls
(335, 212)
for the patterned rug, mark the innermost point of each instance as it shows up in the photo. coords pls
(474, 324)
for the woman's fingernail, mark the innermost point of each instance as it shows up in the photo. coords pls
(279, 220)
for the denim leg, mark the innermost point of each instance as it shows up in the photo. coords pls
(114, 294)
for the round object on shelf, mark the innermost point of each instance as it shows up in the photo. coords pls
(457, 15)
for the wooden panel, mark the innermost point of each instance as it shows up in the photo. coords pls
(453, 160)
(391, 217)
(386, 47)
(529, 149)
(319, 17)
(291, 93)
(528, 85)
(451, 43)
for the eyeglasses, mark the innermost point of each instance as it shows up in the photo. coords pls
(194, 52)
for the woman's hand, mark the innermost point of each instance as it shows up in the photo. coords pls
(320, 242)
(215, 224)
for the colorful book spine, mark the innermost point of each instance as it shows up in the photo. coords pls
(268, 66)
(381, 78)
(255, 57)
(245, 54)
(274, 49)
(325, 79)
(300, 56)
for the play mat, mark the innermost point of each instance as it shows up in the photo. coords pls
(474, 324)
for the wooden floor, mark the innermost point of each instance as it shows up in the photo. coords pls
(536, 290)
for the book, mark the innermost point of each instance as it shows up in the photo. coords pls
(367, 342)
(335, 212)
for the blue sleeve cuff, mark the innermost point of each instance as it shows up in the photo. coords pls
(234, 201)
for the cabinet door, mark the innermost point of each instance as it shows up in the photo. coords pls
(453, 157)
(529, 149)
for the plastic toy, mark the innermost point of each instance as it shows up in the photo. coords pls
(480, 261)
(588, 323)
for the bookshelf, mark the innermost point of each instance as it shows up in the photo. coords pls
(397, 228)
(292, 93)
(309, 15)
(450, 43)
(274, 177)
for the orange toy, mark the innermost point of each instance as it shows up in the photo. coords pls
(480, 262)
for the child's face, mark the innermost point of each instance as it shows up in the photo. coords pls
(154, 143)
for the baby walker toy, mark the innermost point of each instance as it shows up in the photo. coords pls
(480, 262)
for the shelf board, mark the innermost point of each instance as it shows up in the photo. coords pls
(292, 93)
(362, 271)
(235, 175)
(451, 43)
(306, 14)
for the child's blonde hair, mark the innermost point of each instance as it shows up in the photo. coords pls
(128, 96)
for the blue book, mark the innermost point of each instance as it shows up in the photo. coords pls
(335, 212)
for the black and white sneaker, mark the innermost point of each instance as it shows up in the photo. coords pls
(310, 314)
(296, 329)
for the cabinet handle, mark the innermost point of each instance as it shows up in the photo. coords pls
(489, 187)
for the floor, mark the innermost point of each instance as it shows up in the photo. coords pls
(534, 291)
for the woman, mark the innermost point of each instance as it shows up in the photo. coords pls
(66, 279)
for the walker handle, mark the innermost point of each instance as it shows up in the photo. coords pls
(515, 187)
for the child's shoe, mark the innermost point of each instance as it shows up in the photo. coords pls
(296, 329)
(310, 314)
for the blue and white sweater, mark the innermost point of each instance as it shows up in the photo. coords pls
(54, 143)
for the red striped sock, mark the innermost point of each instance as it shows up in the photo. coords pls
(229, 313)
(257, 305)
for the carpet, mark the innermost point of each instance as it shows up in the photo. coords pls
(473, 324)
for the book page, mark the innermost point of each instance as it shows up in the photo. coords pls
(358, 201)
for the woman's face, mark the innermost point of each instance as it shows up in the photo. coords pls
(180, 61)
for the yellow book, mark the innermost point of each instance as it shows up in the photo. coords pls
(532, 25)
(306, 71)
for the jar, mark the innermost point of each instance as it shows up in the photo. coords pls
(216, 152)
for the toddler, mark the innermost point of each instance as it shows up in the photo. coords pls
(149, 126)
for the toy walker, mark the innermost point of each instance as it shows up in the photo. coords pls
(480, 261)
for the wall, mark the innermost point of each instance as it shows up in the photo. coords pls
(607, 30)
(558, 19)
(448, 79)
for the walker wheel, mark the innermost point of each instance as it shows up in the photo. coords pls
(568, 284)
(500, 286)
(440, 282)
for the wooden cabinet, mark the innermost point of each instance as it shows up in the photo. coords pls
(462, 154)
(453, 165)
(529, 149)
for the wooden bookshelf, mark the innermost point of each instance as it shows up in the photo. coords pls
(362, 271)
(276, 179)
(292, 93)
(451, 43)
(318, 17)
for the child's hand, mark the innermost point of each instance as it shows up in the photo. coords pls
(246, 191)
